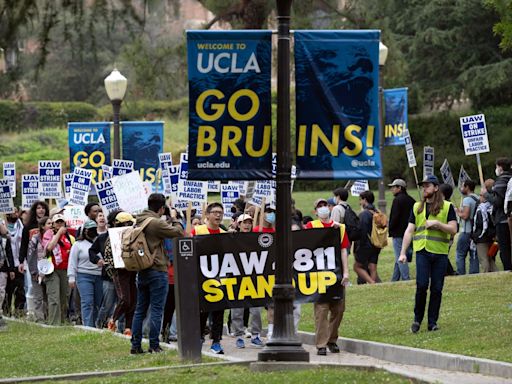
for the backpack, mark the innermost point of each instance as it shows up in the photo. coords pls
(472, 219)
(134, 248)
(379, 234)
(351, 221)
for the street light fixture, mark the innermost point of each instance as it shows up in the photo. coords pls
(383, 55)
(115, 85)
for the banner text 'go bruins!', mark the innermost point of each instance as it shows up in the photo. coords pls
(230, 134)
(337, 76)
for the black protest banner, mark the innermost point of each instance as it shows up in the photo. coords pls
(237, 269)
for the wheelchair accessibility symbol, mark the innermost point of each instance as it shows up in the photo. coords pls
(185, 247)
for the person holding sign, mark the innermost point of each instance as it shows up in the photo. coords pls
(214, 215)
(431, 224)
(333, 301)
(466, 213)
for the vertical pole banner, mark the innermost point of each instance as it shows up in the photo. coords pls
(230, 104)
(89, 147)
(143, 141)
(80, 185)
(9, 172)
(50, 179)
(395, 109)
(6, 203)
(337, 103)
(29, 190)
(446, 173)
(428, 161)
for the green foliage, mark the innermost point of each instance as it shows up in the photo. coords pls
(503, 27)
(16, 116)
(148, 110)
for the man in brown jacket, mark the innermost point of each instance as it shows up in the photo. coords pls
(152, 283)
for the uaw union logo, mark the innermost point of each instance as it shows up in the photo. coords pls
(265, 240)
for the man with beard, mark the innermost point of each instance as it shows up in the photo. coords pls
(431, 224)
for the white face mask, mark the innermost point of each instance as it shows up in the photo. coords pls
(322, 212)
(498, 171)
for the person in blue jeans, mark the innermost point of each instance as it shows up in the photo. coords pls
(431, 224)
(466, 214)
(152, 283)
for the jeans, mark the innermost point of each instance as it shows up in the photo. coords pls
(401, 270)
(108, 303)
(152, 287)
(90, 288)
(503, 234)
(463, 247)
(430, 268)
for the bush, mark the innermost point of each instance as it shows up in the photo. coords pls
(17, 116)
(148, 110)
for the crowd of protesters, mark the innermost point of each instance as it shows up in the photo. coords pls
(58, 275)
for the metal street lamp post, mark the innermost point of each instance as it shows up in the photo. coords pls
(115, 85)
(383, 55)
(284, 345)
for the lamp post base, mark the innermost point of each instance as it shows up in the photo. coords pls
(283, 351)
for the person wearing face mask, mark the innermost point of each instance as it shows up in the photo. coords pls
(497, 198)
(269, 221)
(333, 301)
(86, 275)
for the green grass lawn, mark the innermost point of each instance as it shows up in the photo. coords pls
(475, 317)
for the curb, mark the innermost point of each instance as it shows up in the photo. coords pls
(423, 357)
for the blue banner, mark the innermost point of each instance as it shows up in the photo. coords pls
(230, 133)
(337, 77)
(89, 147)
(142, 142)
(395, 116)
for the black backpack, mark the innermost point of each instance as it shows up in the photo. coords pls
(351, 222)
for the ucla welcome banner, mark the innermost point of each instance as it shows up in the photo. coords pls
(142, 142)
(337, 76)
(89, 147)
(230, 135)
(237, 269)
(395, 121)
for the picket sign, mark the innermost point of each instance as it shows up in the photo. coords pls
(474, 136)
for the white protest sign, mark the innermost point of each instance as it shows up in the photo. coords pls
(106, 196)
(174, 179)
(9, 172)
(213, 186)
(107, 171)
(411, 158)
(68, 177)
(228, 194)
(80, 185)
(121, 167)
(130, 192)
(428, 161)
(29, 190)
(6, 203)
(263, 189)
(193, 191)
(166, 180)
(446, 173)
(474, 134)
(75, 216)
(358, 187)
(50, 172)
(463, 176)
(116, 236)
(165, 160)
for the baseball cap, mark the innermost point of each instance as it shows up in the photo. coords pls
(124, 217)
(331, 201)
(398, 183)
(58, 217)
(56, 210)
(269, 208)
(90, 224)
(318, 201)
(429, 179)
(244, 217)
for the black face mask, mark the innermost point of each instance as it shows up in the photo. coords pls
(92, 233)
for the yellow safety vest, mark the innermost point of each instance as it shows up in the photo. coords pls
(319, 224)
(203, 230)
(433, 240)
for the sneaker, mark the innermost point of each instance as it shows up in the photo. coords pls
(433, 327)
(157, 349)
(256, 342)
(415, 327)
(173, 338)
(127, 332)
(136, 351)
(111, 326)
(333, 347)
(248, 334)
(217, 348)
(322, 351)
(239, 343)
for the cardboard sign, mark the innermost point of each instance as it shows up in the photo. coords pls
(29, 190)
(474, 134)
(80, 185)
(358, 187)
(75, 216)
(50, 179)
(115, 235)
(107, 197)
(130, 192)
